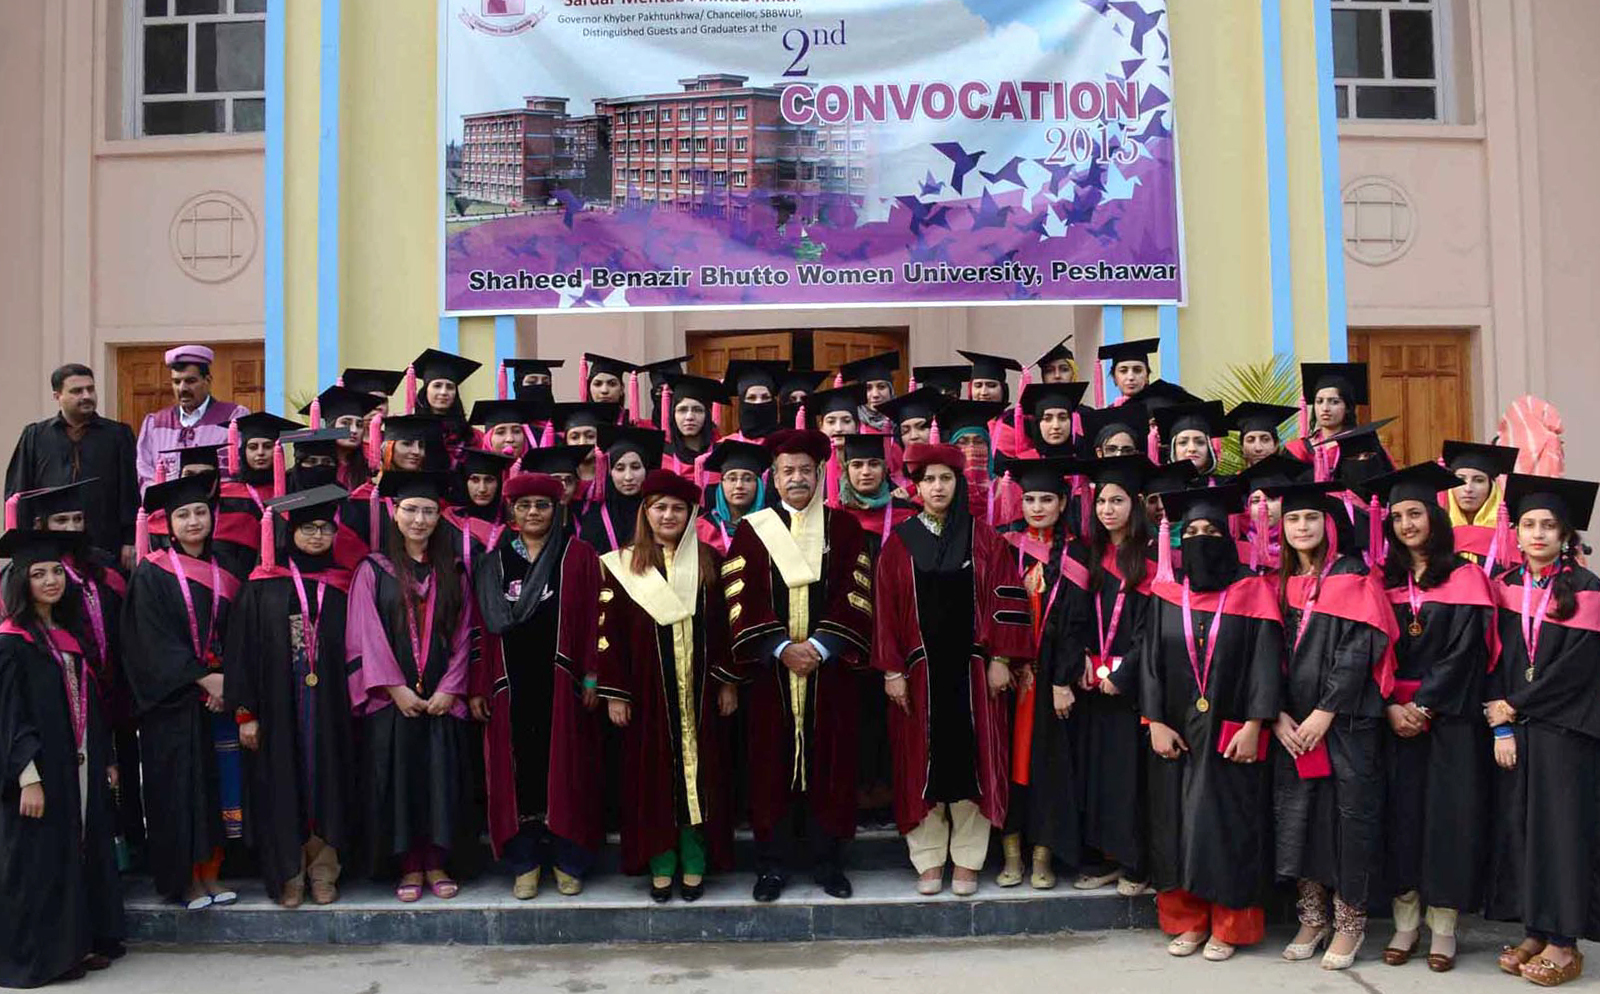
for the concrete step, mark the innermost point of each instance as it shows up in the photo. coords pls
(614, 908)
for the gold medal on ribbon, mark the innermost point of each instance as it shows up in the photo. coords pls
(311, 679)
(1202, 705)
(1528, 673)
(1415, 628)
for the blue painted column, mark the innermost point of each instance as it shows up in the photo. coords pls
(328, 195)
(272, 205)
(1110, 334)
(450, 335)
(1167, 323)
(1277, 176)
(1332, 193)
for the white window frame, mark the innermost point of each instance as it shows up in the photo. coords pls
(134, 97)
(1444, 92)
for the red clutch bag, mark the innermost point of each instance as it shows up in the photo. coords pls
(1315, 764)
(1231, 728)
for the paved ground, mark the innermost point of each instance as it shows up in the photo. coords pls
(1101, 963)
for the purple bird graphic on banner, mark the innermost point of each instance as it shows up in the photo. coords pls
(964, 162)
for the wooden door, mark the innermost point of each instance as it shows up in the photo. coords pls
(1424, 379)
(144, 385)
(831, 349)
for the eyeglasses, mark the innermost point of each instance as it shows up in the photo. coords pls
(525, 506)
(312, 528)
(426, 512)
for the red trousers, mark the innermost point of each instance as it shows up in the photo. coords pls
(1180, 911)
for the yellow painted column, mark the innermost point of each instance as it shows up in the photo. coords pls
(1307, 237)
(302, 42)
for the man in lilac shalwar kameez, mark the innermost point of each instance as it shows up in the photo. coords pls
(196, 419)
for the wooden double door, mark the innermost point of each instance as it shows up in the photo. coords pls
(1422, 378)
(805, 348)
(144, 383)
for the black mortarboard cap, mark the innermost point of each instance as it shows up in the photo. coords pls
(488, 413)
(923, 402)
(1349, 377)
(373, 381)
(485, 462)
(1251, 416)
(742, 374)
(1309, 496)
(413, 428)
(864, 446)
(1170, 477)
(1205, 416)
(946, 379)
(1214, 504)
(1361, 438)
(805, 381)
(197, 455)
(304, 506)
(264, 425)
(435, 365)
(1041, 397)
(1491, 460)
(1136, 351)
(989, 367)
(619, 368)
(1276, 470)
(401, 484)
(340, 402)
(54, 500)
(702, 388)
(847, 398)
(873, 368)
(662, 370)
(556, 459)
(959, 414)
(1038, 475)
(1163, 393)
(739, 455)
(1571, 501)
(578, 415)
(1131, 473)
(1060, 350)
(517, 369)
(1421, 482)
(27, 546)
(181, 492)
(1100, 424)
(618, 440)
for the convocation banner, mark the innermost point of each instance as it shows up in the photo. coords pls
(747, 153)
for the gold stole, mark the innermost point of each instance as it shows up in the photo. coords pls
(796, 549)
(662, 599)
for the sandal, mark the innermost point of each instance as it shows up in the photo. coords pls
(1546, 973)
(410, 889)
(1512, 959)
(1179, 946)
(444, 888)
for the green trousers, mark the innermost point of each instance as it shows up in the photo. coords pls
(690, 854)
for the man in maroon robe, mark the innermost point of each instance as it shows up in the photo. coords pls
(799, 590)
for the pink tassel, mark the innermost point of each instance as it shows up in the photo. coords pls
(373, 519)
(1258, 527)
(11, 511)
(700, 469)
(411, 389)
(1153, 446)
(1164, 552)
(269, 543)
(716, 417)
(933, 432)
(913, 383)
(1016, 410)
(1085, 507)
(602, 470)
(338, 381)
(583, 377)
(527, 434)
(664, 419)
(161, 469)
(500, 384)
(1375, 549)
(548, 437)
(800, 417)
(835, 471)
(1305, 422)
(888, 517)
(997, 487)
(141, 535)
(375, 443)
(233, 447)
(1319, 463)
(280, 485)
(316, 414)
(633, 396)
(966, 391)
(1099, 385)
(838, 379)
(1502, 543)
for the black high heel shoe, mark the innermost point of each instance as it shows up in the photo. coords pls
(661, 895)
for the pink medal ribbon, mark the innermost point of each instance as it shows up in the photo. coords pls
(77, 693)
(91, 602)
(1532, 625)
(188, 605)
(1108, 634)
(605, 519)
(1201, 677)
(1415, 600)
(1311, 603)
(426, 638)
(310, 624)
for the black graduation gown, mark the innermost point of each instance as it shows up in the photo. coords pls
(1054, 794)
(60, 896)
(1545, 861)
(944, 601)
(46, 456)
(414, 771)
(1210, 817)
(530, 651)
(1436, 817)
(1113, 746)
(178, 754)
(301, 781)
(1329, 829)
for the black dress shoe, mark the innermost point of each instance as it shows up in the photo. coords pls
(661, 895)
(691, 892)
(768, 888)
(835, 884)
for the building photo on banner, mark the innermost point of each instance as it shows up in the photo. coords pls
(438, 392)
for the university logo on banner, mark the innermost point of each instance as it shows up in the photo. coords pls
(808, 153)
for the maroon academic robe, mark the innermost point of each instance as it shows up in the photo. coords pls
(636, 666)
(1002, 626)
(573, 804)
(819, 757)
